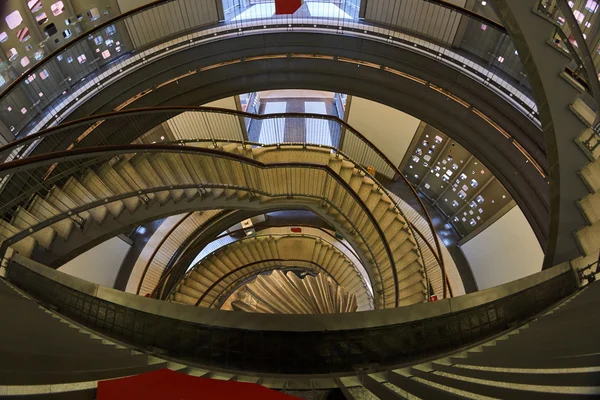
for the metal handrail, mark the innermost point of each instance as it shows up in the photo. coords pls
(190, 253)
(35, 68)
(155, 252)
(214, 284)
(585, 55)
(92, 123)
(478, 54)
(111, 151)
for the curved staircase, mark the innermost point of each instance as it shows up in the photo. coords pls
(241, 260)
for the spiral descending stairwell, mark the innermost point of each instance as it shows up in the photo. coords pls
(361, 208)
(223, 269)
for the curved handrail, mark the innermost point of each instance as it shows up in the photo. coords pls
(191, 253)
(586, 57)
(231, 288)
(155, 252)
(343, 124)
(35, 68)
(254, 237)
(221, 279)
(111, 151)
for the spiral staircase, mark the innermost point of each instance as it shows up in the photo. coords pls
(461, 347)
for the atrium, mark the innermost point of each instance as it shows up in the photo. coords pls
(328, 199)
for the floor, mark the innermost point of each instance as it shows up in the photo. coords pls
(280, 130)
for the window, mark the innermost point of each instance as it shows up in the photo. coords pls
(454, 203)
(479, 199)
(57, 8)
(12, 54)
(105, 54)
(3, 37)
(93, 14)
(28, 48)
(13, 19)
(415, 159)
(98, 40)
(110, 30)
(465, 188)
(34, 5)
(2, 82)
(438, 139)
(38, 55)
(454, 167)
(23, 35)
(82, 58)
(109, 42)
(25, 61)
(591, 6)
(463, 176)
(30, 79)
(44, 74)
(67, 33)
(50, 30)
(427, 186)
(462, 194)
(474, 183)
(426, 157)
(41, 18)
(578, 16)
(69, 60)
(480, 210)
(472, 222)
(472, 204)
(23, 110)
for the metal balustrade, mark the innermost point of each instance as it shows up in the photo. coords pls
(371, 341)
(218, 297)
(305, 184)
(210, 127)
(577, 35)
(51, 89)
(192, 255)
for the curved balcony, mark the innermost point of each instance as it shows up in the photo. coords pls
(190, 127)
(47, 93)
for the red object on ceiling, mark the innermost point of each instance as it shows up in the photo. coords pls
(164, 384)
(296, 230)
(287, 6)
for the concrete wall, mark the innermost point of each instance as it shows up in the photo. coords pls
(388, 129)
(100, 264)
(505, 251)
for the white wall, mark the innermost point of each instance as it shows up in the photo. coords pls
(100, 264)
(390, 130)
(507, 250)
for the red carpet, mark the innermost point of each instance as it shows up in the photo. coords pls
(287, 6)
(164, 384)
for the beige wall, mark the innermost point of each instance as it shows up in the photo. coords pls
(100, 264)
(505, 251)
(388, 129)
(127, 5)
(228, 103)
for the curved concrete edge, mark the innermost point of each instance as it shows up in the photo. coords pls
(294, 323)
